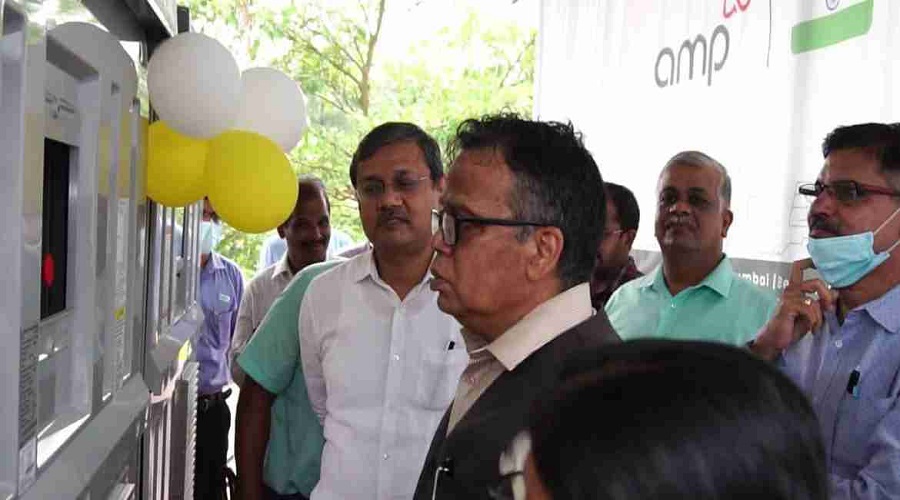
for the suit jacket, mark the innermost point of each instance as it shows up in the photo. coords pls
(472, 450)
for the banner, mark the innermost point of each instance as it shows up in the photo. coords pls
(756, 84)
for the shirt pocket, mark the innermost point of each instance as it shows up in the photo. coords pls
(858, 420)
(222, 309)
(439, 376)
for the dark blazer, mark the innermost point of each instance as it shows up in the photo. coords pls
(472, 450)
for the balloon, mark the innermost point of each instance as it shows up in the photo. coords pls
(272, 105)
(250, 182)
(194, 85)
(175, 167)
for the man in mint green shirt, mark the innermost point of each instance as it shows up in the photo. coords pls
(695, 294)
(279, 439)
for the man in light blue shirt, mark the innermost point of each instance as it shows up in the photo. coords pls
(695, 294)
(221, 288)
(849, 366)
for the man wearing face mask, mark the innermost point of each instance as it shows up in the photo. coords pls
(849, 366)
(695, 294)
(221, 288)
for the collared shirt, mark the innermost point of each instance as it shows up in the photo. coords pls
(272, 359)
(262, 290)
(221, 287)
(540, 326)
(603, 287)
(722, 308)
(380, 373)
(860, 420)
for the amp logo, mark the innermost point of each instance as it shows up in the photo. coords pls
(701, 57)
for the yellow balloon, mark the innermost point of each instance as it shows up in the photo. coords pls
(250, 182)
(175, 167)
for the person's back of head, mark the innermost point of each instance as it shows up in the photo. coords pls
(656, 419)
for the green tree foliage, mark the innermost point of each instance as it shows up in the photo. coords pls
(332, 49)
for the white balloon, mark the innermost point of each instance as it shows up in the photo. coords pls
(194, 85)
(272, 105)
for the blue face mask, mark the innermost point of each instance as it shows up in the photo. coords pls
(844, 260)
(210, 234)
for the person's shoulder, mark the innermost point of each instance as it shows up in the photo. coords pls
(229, 264)
(632, 289)
(749, 293)
(262, 276)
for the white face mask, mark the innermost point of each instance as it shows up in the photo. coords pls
(210, 235)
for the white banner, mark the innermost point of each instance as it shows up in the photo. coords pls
(757, 84)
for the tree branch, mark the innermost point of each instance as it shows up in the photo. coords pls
(328, 59)
(517, 62)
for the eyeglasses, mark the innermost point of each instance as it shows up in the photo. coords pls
(374, 189)
(449, 224)
(845, 191)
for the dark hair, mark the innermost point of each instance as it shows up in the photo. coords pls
(309, 186)
(879, 139)
(392, 133)
(658, 419)
(626, 205)
(556, 182)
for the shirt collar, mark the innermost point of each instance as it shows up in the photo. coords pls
(885, 310)
(215, 262)
(363, 266)
(282, 268)
(543, 324)
(719, 280)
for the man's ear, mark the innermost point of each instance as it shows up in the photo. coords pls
(439, 187)
(727, 219)
(548, 247)
(628, 237)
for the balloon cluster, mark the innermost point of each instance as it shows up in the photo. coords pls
(222, 134)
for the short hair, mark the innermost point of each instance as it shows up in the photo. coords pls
(881, 140)
(392, 133)
(310, 186)
(658, 419)
(700, 159)
(556, 182)
(626, 205)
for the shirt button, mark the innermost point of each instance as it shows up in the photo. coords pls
(385, 456)
(396, 357)
(673, 306)
(839, 343)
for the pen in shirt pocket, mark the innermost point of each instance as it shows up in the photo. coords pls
(853, 383)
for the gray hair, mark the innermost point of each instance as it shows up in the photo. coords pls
(699, 159)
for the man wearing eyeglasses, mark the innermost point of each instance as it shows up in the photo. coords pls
(695, 294)
(838, 336)
(614, 266)
(516, 246)
(380, 360)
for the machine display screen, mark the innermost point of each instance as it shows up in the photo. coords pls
(54, 251)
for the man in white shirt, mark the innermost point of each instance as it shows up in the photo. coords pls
(307, 233)
(381, 361)
(274, 247)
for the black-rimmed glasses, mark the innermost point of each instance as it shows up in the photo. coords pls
(449, 224)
